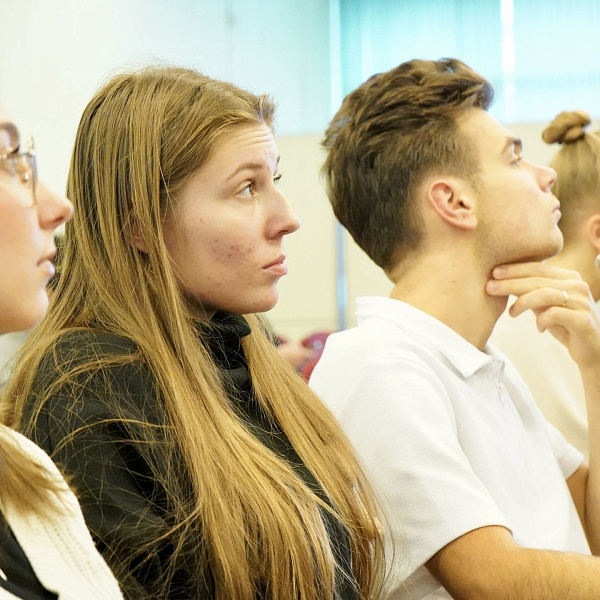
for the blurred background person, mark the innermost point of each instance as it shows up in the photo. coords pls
(542, 360)
(46, 551)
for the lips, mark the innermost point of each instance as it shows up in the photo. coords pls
(48, 256)
(277, 261)
(277, 268)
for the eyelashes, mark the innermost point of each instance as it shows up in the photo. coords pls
(249, 190)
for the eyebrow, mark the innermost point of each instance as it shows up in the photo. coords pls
(513, 141)
(251, 166)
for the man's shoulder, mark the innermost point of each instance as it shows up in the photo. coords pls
(386, 331)
(377, 353)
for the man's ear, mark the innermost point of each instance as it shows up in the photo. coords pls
(453, 201)
(592, 231)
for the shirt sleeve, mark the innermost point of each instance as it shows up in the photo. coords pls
(93, 428)
(400, 419)
(568, 457)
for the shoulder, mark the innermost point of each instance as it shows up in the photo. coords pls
(92, 374)
(374, 365)
(87, 350)
(389, 332)
(29, 449)
(92, 343)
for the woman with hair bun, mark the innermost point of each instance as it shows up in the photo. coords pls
(544, 363)
(206, 467)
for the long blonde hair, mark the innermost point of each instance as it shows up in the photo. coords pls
(25, 483)
(140, 139)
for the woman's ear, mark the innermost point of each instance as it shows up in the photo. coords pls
(592, 230)
(453, 201)
(135, 237)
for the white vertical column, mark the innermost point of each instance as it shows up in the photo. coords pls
(508, 60)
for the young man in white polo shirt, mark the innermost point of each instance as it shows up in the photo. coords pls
(485, 499)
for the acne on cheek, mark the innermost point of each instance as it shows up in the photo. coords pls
(220, 253)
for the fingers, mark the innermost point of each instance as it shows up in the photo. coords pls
(541, 294)
(561, 302)
(539, 286)
(533, 269)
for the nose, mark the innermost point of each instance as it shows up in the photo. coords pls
(53, 209)
(546, 177)
(285, 220)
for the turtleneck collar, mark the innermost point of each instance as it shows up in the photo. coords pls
(222, 337)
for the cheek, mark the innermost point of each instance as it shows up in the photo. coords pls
(227, 249)
(18, 233)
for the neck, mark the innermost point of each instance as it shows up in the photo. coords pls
(453, 291)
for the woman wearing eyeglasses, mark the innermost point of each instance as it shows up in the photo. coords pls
(206, 467)
(46, 551)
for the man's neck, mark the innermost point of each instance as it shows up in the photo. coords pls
(454, 293)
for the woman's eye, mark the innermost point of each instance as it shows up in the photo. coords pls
(277, 179)
(10, 166)
(517, 159)
(248, 191)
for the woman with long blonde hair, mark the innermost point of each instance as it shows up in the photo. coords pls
(205, 466)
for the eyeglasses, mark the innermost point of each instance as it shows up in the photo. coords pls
(23, 165)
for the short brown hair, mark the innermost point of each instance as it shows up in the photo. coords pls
(389, 134)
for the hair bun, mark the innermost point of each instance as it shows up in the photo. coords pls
(567, 127)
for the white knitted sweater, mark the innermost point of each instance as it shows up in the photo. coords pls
(60, 548)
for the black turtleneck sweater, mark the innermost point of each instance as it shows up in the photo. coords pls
(111, 462)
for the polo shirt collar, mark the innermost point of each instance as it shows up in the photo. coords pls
(462, 355)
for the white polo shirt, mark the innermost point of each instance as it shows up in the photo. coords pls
(450, 436)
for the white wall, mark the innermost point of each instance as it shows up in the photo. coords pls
(55, 53)
(307, 294)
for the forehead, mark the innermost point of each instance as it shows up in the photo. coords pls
(254, 137)
(245, 147)
(488, 135)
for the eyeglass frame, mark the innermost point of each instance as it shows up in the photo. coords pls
(30, 174)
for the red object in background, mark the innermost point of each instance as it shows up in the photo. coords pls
(316, 342)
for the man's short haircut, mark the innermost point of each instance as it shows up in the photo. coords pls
(391, 133)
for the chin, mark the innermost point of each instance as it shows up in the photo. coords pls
(538, 254)
(20, 322)
(260, 306)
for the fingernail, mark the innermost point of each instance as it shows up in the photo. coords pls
(499, 271)
(492, 286)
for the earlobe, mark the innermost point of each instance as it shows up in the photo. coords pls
(453, 203)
